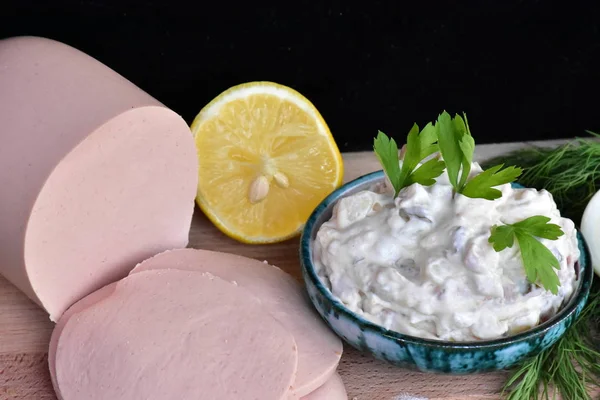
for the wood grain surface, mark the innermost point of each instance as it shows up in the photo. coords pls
(25, 329)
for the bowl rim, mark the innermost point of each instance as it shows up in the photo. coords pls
(586, 276)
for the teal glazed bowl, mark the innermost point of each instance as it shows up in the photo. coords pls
(424, 354)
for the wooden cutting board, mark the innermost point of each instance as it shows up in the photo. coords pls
(25, 329)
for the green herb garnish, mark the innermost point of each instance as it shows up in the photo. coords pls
(569, 368)
(418, 147)
(452, 138)
(538, 261)
(457, 147)
(386, 151)
(482, 185)
(571, 172)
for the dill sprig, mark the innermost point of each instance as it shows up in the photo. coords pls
(571, 367)
(571, 172)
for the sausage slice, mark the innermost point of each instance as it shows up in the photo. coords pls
(172, 334)
(319, 349)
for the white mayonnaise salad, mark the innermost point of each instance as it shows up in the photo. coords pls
(421, 264)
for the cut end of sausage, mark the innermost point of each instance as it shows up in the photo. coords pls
(172, 334)
(96, 175)
(124, 194)
(319, 349)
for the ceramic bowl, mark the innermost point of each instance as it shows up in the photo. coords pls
(424, 354)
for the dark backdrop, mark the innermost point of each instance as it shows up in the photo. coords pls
(520, 69)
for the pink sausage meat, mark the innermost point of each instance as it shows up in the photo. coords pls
(172, 335)
(333, 389)
(319, 349)
(78, 307)
(95, 174)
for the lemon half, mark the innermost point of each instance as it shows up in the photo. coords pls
(266, 160)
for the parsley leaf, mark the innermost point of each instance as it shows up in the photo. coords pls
(466, 143)
(481, 186)
(457, 147)
(451, 136)
(428, 141)
(538, 261)
(538, 226)
(386, 151)
(467, 146)
(412, 154)
(449, 147)
(502, 237)
(426, 173)
(418, 146)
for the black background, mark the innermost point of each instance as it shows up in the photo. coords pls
(520, 69)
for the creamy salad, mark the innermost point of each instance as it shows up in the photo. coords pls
(421, 264)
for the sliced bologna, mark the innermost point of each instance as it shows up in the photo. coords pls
(319, 349)
(172, 335)
(333, 389)
(77, 308)
(95, 174)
